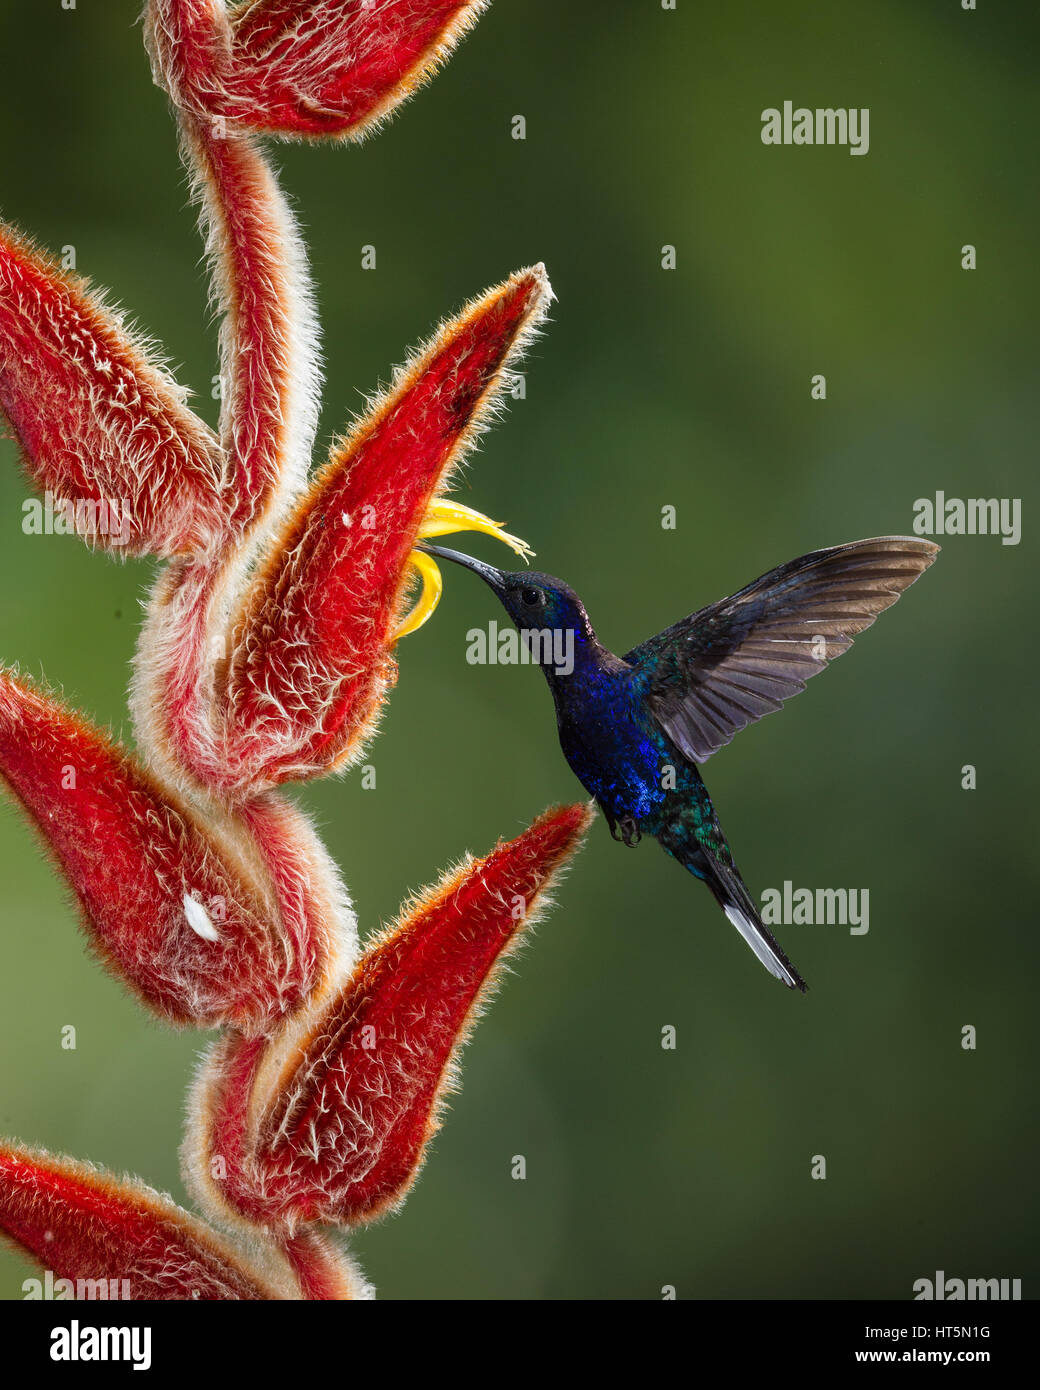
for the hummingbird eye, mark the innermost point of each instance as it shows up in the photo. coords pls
(531, 597)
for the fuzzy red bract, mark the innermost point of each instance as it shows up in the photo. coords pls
(100, 426)
(265, 655)
(165, 903)
(86, 1226)
(346, 1136)
(329, 1121)
(303, 67)
(328, 67)
(309, 654)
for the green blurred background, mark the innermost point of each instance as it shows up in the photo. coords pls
(691, 388)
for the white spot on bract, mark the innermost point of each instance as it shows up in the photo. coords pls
(199, 919)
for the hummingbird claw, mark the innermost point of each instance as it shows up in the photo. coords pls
(630, 832)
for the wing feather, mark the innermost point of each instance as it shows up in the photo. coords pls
(727, 665)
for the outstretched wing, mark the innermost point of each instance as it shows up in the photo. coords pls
(727, 665)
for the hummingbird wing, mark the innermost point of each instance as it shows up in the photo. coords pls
(713, 673)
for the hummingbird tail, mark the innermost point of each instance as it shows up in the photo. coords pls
(732, 896)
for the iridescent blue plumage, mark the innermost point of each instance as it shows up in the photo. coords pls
(634, 728)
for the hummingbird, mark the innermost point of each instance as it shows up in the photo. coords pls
(636, 729)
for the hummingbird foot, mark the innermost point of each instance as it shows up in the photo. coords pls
(630, 832)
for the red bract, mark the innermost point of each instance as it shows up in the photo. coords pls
(330, 1120)
(303, 67)
(175, 904)
(310, 650)
(265, 657)
(86, 1226)
(102, 428)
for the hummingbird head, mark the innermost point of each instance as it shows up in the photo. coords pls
(538, 604)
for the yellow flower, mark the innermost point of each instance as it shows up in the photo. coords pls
(443, 517)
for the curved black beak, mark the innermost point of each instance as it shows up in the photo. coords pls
(491, 576)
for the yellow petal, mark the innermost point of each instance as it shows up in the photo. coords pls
(432, 587)
(444, 515)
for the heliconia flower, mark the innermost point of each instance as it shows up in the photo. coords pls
(102, 427)
(444, 516)
(302, 67)
(265, 656)
(329, 1121)
(173, 903)
(119, 1239)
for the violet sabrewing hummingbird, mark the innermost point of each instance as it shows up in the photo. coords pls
(636, 728)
